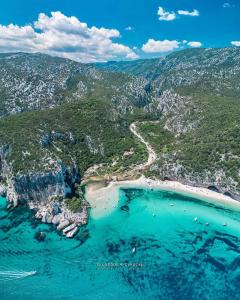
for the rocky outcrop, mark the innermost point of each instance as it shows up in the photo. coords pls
(44, 193)
(40, 186)
(56, 212)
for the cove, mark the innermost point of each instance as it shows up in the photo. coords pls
(153, 245)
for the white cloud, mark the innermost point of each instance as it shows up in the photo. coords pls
(129, 28)
(194, 13)
(153, 46)
(165, 15)
(236, 43)
(194, 44)
(228, 5)
(170, 16)
(132, 55)
(64, 36)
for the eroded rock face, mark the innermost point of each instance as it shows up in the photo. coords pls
(44, 192)
(40, 186)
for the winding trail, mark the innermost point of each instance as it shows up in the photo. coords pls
(152, 156)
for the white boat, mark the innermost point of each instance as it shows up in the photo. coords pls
(10, 275)
(134, 250)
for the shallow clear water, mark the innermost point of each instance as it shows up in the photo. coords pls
(174, 257)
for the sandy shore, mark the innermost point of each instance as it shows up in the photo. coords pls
(104, 200)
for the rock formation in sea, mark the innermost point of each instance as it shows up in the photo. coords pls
(44, 193)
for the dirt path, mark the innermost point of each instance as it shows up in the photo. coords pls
(152, 156)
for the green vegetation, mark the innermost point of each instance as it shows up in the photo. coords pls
(160, 138)
(215, 143)
(213, 146)
(74, 204)
(83, 132)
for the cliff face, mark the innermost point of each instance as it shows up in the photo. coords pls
(37, 186)
(41, 186)
(44, 193)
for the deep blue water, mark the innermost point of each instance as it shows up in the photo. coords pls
(175, 257)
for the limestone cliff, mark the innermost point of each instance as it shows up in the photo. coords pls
(43, 192)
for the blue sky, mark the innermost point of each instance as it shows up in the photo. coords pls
(151, 31)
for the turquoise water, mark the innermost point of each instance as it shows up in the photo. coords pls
(174, 257)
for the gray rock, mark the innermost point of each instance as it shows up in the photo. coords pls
(69, 228)
(38, 215)
(55, 209)
(63, 224)
(57, 219)
(47, 218)
(72, 233)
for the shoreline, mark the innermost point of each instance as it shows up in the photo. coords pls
(104, 199)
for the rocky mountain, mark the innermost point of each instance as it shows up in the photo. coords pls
(197, 93)
(211, 70)
(38, 81)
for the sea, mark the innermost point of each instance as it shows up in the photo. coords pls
(154, 245)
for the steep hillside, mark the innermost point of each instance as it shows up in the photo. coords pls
(197, 94)
(208, 70)
(141, 67)
(38, 81)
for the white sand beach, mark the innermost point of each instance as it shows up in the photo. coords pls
(104, 200)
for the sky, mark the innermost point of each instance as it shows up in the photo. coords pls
(104, 30)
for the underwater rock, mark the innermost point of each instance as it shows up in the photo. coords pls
(40, 236)
(125, 208)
